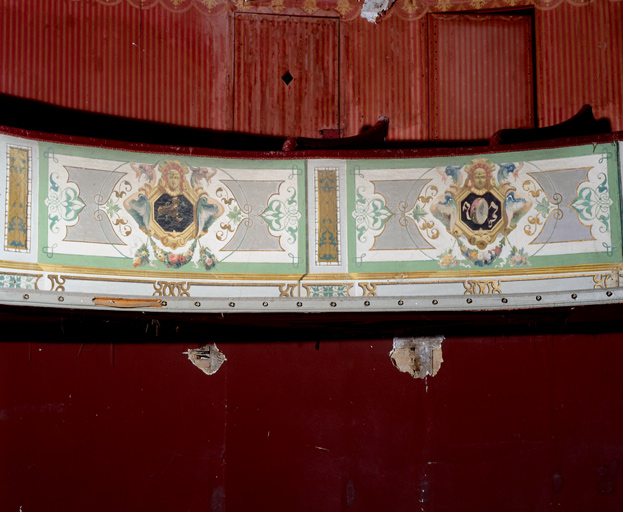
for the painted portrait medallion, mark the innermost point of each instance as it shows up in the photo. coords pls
(483, 206)
(173, 210)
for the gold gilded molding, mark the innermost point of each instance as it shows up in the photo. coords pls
(154, 274)
(393, 277)
(171, 289)
(606, 280)
(161, 285)
(324, 288)
(322, 279)
(57, 283)
(287, 290)
(369, 289)
(481, 287)
(442, 274)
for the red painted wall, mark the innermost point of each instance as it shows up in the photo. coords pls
(384, 72)
(579, 61)
(178, 67)
(118, 59)
(481, 75)
(510, 423)
(269, 48)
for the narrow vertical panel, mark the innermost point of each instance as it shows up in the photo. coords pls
(286, 75)
(579, 61)
(482, 75)
(18, 199)
(383, 71)
(327, 216)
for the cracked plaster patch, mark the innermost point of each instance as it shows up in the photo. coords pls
(418, 357)
(374, 9)
(208, 359)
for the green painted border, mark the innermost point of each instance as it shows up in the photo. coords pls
(303, 264)
(351, 225)
(351, 166)
(44, 181)
(614, 187)
(111, 262)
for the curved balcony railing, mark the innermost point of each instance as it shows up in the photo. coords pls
(95, 224)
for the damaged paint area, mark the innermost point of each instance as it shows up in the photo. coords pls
(374, 9)
(418, 357)
(208, 359)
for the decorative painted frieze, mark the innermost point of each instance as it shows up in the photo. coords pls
(319, 233)
(485, 213)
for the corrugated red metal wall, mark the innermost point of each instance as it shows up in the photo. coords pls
(579, 60)
(186, 69)
(77, 54)
(481, 75)
(178, 67)
(384, 72)
(149, 64)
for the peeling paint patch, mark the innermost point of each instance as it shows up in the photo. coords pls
(373, 9)
(418, 357)
(208, 359)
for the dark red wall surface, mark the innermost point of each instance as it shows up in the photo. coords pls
(511, 422)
